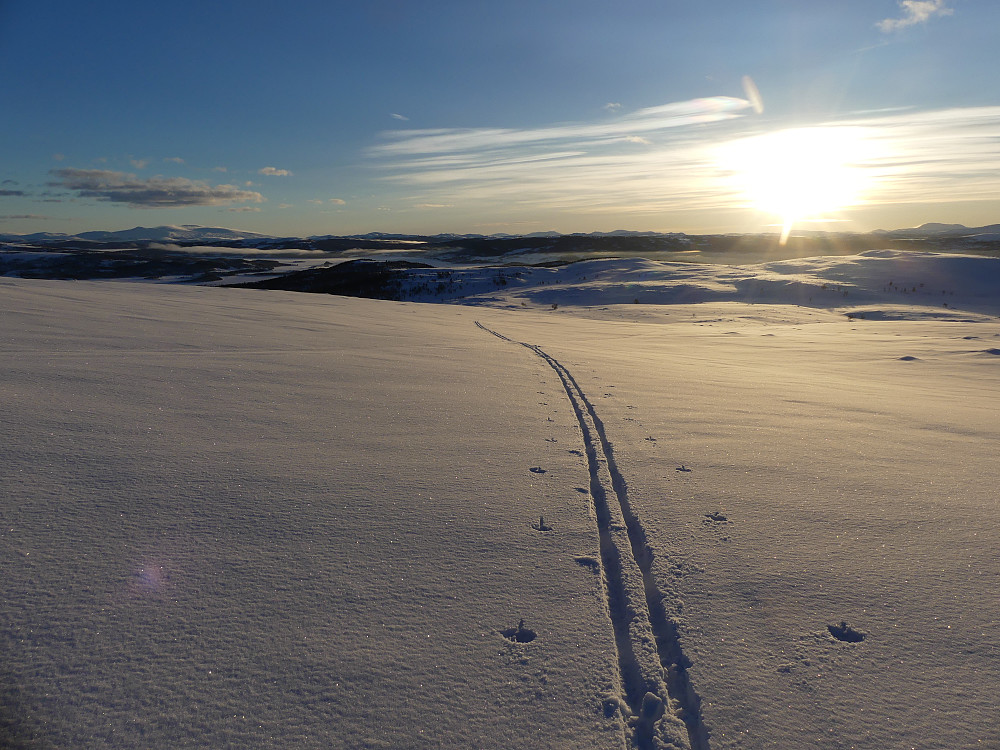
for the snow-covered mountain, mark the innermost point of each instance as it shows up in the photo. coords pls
(165, 233)
(936, 230)
(170, 233)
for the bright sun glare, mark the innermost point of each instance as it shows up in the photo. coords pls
(801, 174)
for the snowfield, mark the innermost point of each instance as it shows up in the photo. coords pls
(728, 516)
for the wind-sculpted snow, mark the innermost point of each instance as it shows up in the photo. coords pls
(236, 518)
(862, 285)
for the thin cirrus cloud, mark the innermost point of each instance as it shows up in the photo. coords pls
(274, 172)
(621, 163)
(946, 155)
(915, 12)
(154, 192)
(667, 158)
(644, 121)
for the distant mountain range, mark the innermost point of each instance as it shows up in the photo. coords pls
(184, 233)
(193, 233)
(933, 230)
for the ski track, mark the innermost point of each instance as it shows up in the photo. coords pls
(652, 666)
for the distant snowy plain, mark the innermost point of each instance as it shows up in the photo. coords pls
(615, 504)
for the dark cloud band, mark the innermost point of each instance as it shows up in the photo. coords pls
(154, 192)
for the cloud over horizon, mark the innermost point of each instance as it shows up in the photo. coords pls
(155, 192)
(631, 162)
(914, 12)
(668, 158)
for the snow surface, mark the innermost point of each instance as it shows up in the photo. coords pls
(236, 518)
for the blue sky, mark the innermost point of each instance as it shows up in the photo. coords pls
(304, 117)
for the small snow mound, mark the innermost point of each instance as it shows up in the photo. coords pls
(520, 634)
(845, 633)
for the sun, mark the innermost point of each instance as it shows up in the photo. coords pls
(801, 174)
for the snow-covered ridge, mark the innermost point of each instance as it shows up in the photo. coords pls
(197, 233)
(165, 233)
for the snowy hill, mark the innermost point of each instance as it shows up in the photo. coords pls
(166, 233)
(936, 230)
(245, 519)
(185, 233)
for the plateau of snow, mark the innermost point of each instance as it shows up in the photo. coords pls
(761, 516)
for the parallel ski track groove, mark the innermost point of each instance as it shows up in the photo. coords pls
(681, 694)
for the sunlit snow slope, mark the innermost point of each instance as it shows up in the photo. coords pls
(236, 518)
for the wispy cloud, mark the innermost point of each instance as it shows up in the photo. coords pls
(9, 193)
(219, 169)
(930, 157)
(495, 140)
(154, 192)
(244, 209)
(907, 156)
(275, 172)
(613, 106)
(174, 159)
(139, 163)
(577, 166)
(338, 201)
(914, 12)
(25, 216)
(397, 116)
